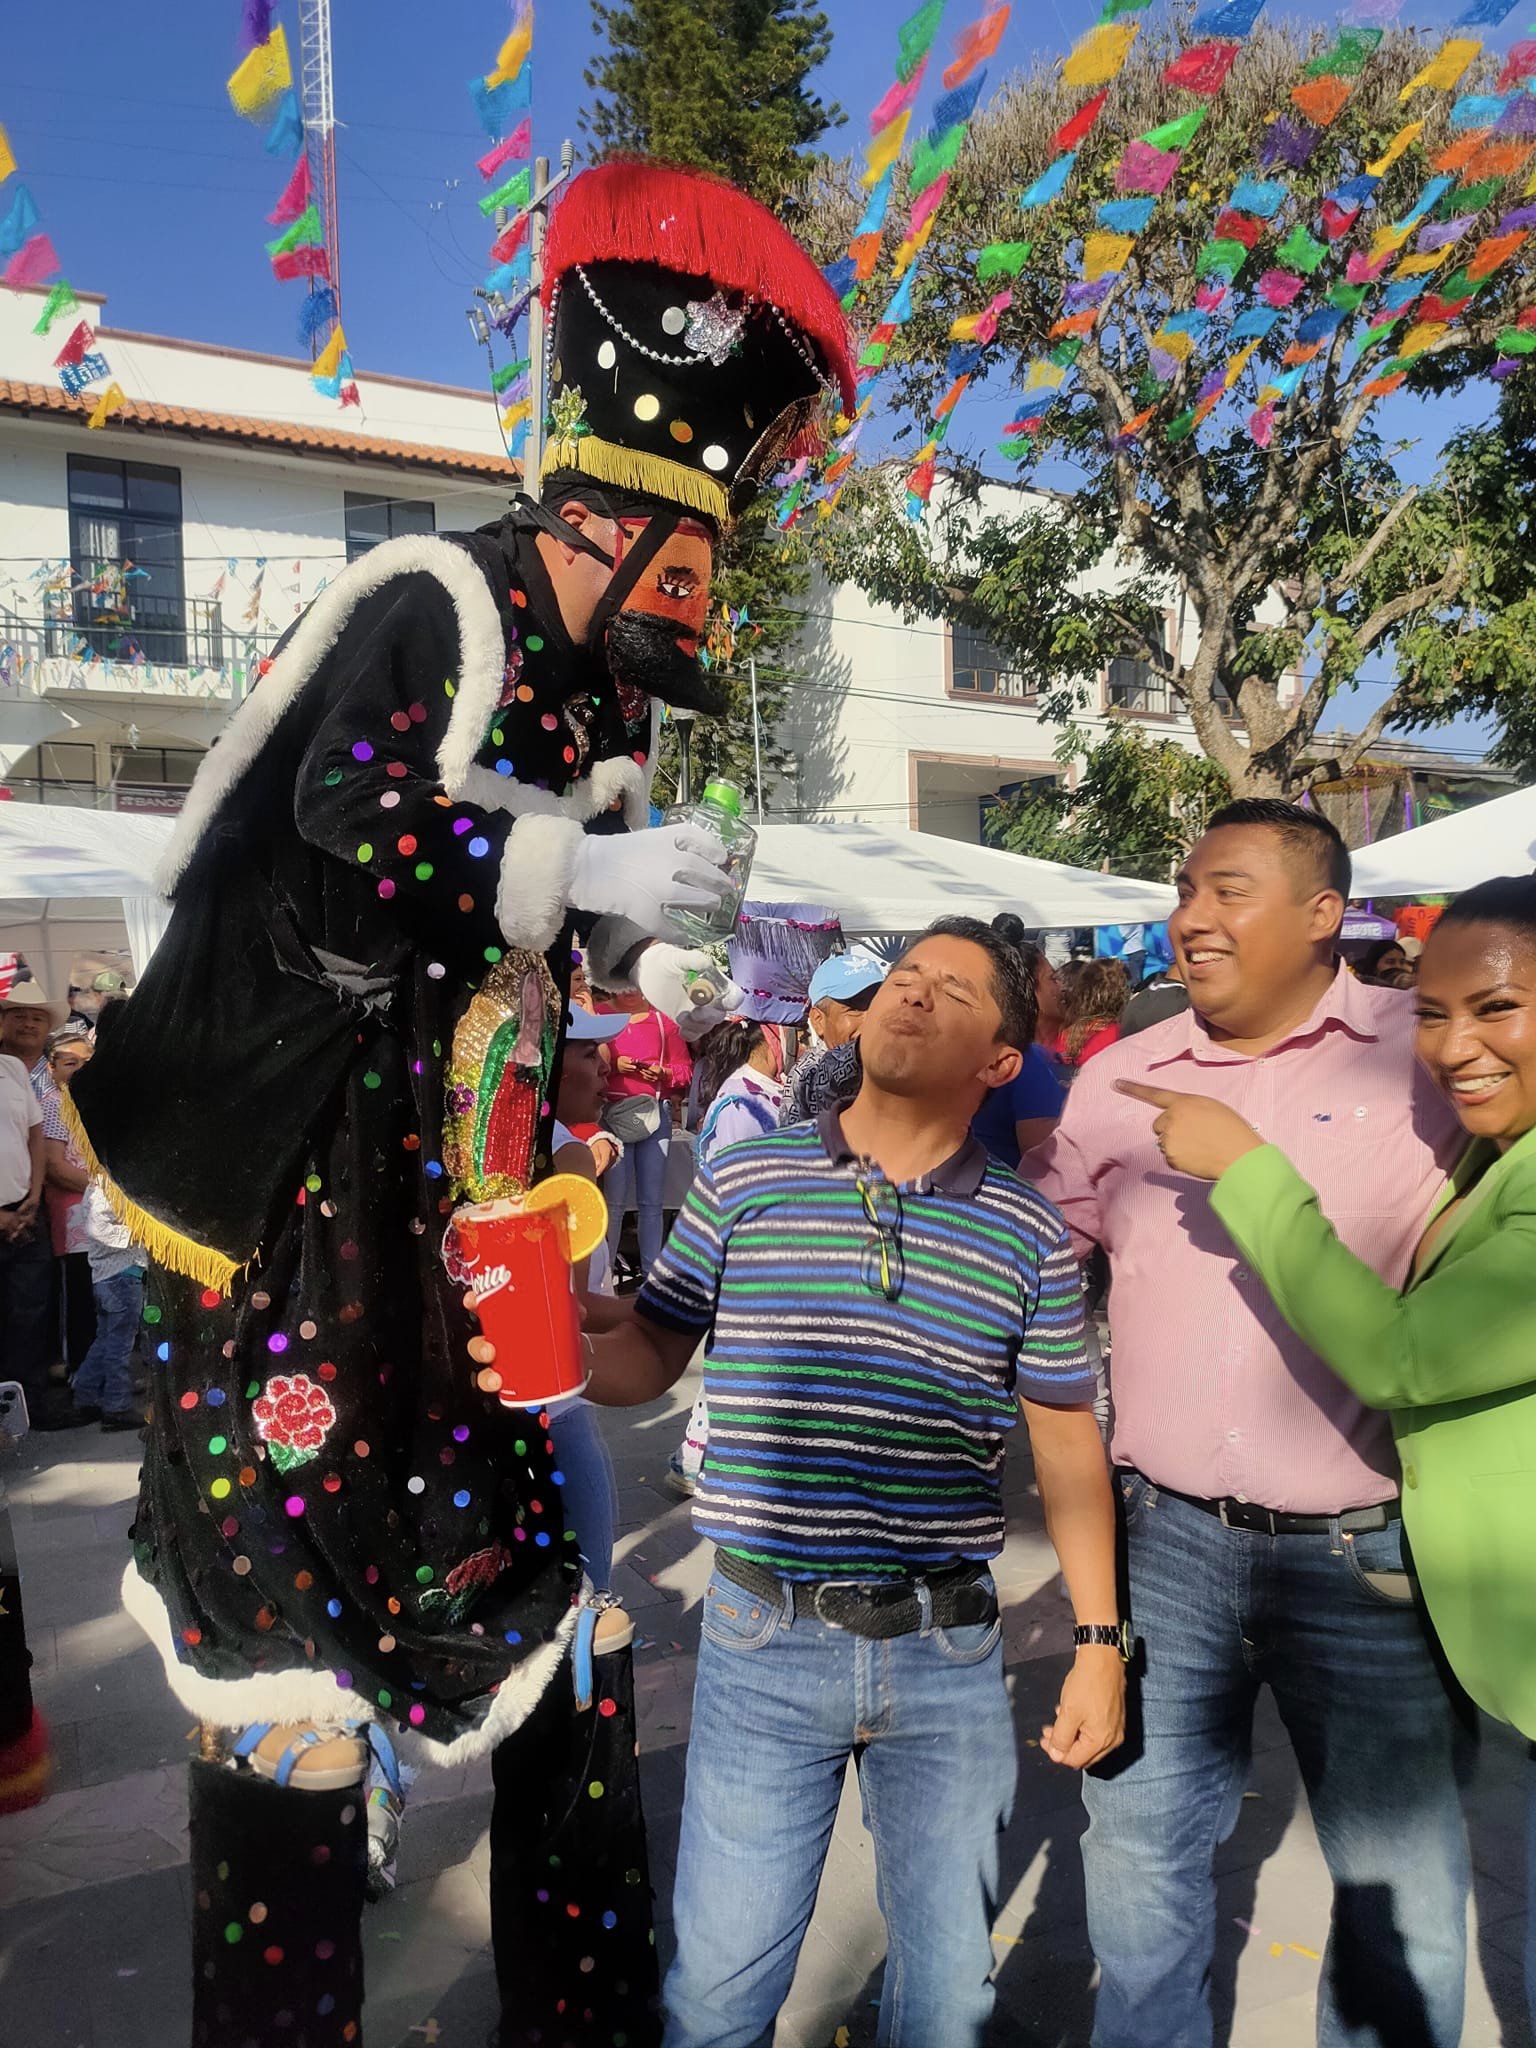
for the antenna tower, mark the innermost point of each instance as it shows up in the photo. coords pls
(320, 122)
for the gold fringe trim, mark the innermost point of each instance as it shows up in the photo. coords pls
(631, 469)
(167, 1247)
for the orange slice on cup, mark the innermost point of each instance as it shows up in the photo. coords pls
(586, 1213)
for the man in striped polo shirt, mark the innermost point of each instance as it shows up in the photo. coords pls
(878, 1298)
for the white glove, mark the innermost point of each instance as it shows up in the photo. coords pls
(687, 986)
(633, 874)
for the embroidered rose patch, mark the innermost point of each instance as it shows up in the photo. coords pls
(293, 1419)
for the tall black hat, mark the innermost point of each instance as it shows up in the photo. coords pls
(693, 345)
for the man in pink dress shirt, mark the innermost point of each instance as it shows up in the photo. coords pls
(1262, 1525)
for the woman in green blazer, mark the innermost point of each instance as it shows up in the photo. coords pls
(1453, 1356)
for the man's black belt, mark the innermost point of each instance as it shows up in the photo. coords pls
(1247, 1514)
(956, 1598)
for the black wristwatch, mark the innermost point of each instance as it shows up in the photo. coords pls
(1104, 1635)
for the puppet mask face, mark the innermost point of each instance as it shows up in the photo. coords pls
(652, 640)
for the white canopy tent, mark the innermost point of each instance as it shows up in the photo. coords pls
(1497, 838)
(72, 880)
(75, 881)
(882, 879)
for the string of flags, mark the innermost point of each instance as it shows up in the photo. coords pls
(28, 257)
(1092, 66)
(1490, 147)
(1494, 141)
(261, 89)
(928, 182)
(503, 100)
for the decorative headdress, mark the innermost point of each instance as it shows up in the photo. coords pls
(774, 951)
(693, 345)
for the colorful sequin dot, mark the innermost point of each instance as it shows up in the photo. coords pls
(362, 750)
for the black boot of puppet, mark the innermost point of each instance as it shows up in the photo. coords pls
(25, 1764)
(277, 1889)
(571, 1918)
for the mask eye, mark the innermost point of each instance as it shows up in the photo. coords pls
(677, 584)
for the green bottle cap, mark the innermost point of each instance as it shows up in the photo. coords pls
(724, 795)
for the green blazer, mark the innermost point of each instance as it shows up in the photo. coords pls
(1453, 1356)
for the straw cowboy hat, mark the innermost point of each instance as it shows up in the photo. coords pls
(30, 995)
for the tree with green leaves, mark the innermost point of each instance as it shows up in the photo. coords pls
(1260, 580)
(724, 86)
(721, 85)
(1137, 806)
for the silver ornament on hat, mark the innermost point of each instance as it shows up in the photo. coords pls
(714, 328)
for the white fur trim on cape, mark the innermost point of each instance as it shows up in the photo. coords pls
(315, 1696)
(482, 661)
(620, 780)
(535, 885)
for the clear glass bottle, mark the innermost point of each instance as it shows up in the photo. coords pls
(719, 812)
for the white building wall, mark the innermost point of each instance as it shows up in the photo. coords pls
(877, 736)
(262, 530)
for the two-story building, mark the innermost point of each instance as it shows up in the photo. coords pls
(147, 566)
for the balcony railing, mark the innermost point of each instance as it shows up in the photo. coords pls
(167, 649)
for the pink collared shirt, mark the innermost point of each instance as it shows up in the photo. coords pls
(1212, 1393)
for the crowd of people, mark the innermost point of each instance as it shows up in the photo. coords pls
(1319, 1428)
(71, 1280)
(1292, 1450)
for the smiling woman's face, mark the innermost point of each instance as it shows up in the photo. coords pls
(1476, 1003)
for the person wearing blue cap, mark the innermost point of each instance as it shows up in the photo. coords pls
(840, 991)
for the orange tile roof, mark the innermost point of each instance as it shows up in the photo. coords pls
(48, 399)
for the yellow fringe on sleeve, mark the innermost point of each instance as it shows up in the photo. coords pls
(167, 1247)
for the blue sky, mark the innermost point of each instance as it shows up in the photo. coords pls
(156, 193)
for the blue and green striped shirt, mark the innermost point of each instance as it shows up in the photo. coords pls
(851, 1436)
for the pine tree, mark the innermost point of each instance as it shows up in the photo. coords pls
(717, 84)
(723, 86)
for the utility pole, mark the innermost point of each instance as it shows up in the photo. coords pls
(538, 227)
(757, 736)
(318, 100)
(543, 186)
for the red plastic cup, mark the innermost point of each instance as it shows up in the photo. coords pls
(517, 1263)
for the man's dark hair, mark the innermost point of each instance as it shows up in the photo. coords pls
(1013, 987)
(1010, 926)
(1313, 844)
(1508, 900)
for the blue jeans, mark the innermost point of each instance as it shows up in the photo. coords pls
(587, 1492)
(105, 1378)
(1221, 1612)
(638, 1182)
(780, 1704)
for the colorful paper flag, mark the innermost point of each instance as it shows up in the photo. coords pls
(975, 45)
(60, 300)
(111, 401)
(295, 195)
(35, 262)
(7, 160)
(260, 76)
(1100, 55)
(514, 150)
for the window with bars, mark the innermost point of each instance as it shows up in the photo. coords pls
(1136, 687)
(979, 670)
(125, 547)
(372, 519)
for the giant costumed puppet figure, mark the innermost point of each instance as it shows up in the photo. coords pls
(350, 1026)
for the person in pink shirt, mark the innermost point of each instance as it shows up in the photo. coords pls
(651, 1068)
(1262, 1526)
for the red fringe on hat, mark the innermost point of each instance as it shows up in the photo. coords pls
(632, 211)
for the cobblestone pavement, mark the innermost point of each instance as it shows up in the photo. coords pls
(94, 1905)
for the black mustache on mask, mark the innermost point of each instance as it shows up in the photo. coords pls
(643, 652)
